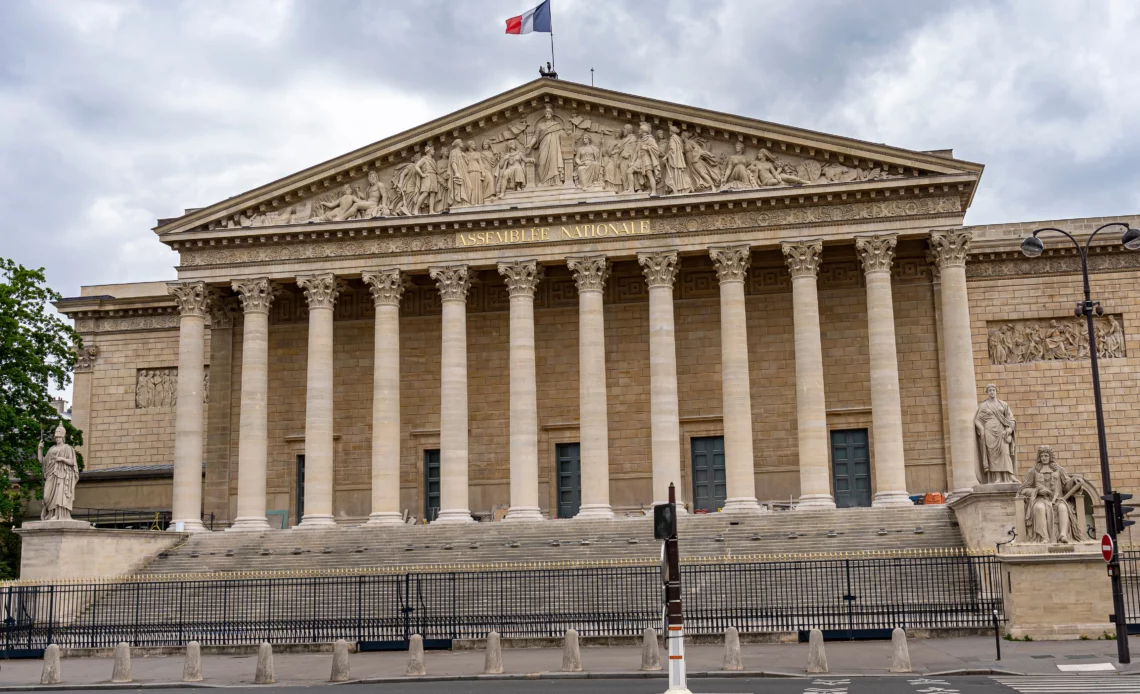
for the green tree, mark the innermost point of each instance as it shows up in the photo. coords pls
(36, 349)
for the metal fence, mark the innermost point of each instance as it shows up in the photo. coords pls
(843, 596)
(1130, 582)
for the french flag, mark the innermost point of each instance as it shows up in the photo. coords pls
(537, 19)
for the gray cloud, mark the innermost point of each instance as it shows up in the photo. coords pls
(113, 114)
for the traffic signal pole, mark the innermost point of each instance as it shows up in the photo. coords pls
(665, 529)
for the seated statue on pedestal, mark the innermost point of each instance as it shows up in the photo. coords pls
(1050, 497)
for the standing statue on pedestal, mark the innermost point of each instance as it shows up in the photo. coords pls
(61, 472)
(997, 439)
(1050, 509)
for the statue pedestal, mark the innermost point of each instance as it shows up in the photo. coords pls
(986, 514)
(1055, 592)
(69, 549)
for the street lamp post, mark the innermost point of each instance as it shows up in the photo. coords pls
(1032, 247)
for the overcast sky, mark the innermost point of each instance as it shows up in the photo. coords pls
(113, 114)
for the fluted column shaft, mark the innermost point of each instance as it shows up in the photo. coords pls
(253, 428)
(950, 249)
(321, 292)
(811, 413)
(453, 285)
(736, 393)
(186, 507)
(877, 254)
(387, 288)
(660, 270)
(522, 277)
(590, 273)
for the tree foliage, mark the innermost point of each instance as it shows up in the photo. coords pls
(36, 349)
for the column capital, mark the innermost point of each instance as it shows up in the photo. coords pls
(590, 271)
(452, 280)
(321, 290)
(85, 358)
(256, 294)
(660, 268)
(387, 286)
(223, 310)
(731, 262)
(876, 252)
(950, 247)
(935, 268)
(802, 257)
(522, 277)
(192, 297)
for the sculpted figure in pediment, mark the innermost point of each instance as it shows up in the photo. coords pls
(622, 154)
(677, 179)
(645, 169)
(736, 174)
(703, 165)
(549, 166)
(459, 178)
(512, 169)
(589, 174)
(480, 165)
(428, 182)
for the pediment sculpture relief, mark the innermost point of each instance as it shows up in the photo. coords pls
(1051, 507)
(551, 149)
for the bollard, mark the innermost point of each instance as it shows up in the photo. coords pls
(122, 670)
(340, 662)
(817, 657)
(264, 672)
(493, 662)
(415, 657)
(192, 669)
(900, 653)
(571, 656)
(650, 655)
(51, 672)
(732, 658)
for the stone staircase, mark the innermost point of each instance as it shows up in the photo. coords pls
(578, 542)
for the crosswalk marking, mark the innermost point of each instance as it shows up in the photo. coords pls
(1073, 684)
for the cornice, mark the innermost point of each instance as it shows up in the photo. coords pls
(586, 100)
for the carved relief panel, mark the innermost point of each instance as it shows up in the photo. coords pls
(1055, 339)
(159, 387)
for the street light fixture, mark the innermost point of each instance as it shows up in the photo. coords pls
(1032, 247)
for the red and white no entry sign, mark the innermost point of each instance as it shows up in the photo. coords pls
(1107, 548)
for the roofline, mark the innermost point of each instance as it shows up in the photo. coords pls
(939, 164)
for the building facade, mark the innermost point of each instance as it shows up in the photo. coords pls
(559, 301)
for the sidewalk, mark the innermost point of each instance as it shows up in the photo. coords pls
(852, 658)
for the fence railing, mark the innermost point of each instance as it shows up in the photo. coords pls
(1130, 581)
(844, 596)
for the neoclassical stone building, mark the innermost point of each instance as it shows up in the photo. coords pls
(560, 300)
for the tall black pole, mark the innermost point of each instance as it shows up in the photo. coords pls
(1088, 308)
(553, 67)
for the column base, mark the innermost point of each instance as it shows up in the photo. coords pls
(383, 518)
(812, 502)
(454, 515)
(315, 522)
(595, 512)
(250, 524)
(891, 500)
(958, 494)
(743, 504)
(523, 513)
(190, 525)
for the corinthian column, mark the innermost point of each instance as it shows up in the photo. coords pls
(877, 253)
(950, 249)
(453, 284)
(811, 414)
(253, 428)
(522, 277)
(660, 270)
(739, 466)
(590, 272)
(186, 507)
(321, 292)
(387, 288)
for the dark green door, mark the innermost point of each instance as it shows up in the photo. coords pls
(431, 484)
(300, 487)
(709, 487)
(851, 467)
(569, 479)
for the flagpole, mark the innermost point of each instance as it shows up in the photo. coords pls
(552, 65)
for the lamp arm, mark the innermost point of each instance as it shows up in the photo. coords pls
(1081, 250)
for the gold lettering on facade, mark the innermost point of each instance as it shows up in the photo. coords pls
(541, 234)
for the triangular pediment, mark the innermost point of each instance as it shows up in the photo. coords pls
(549, 143)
